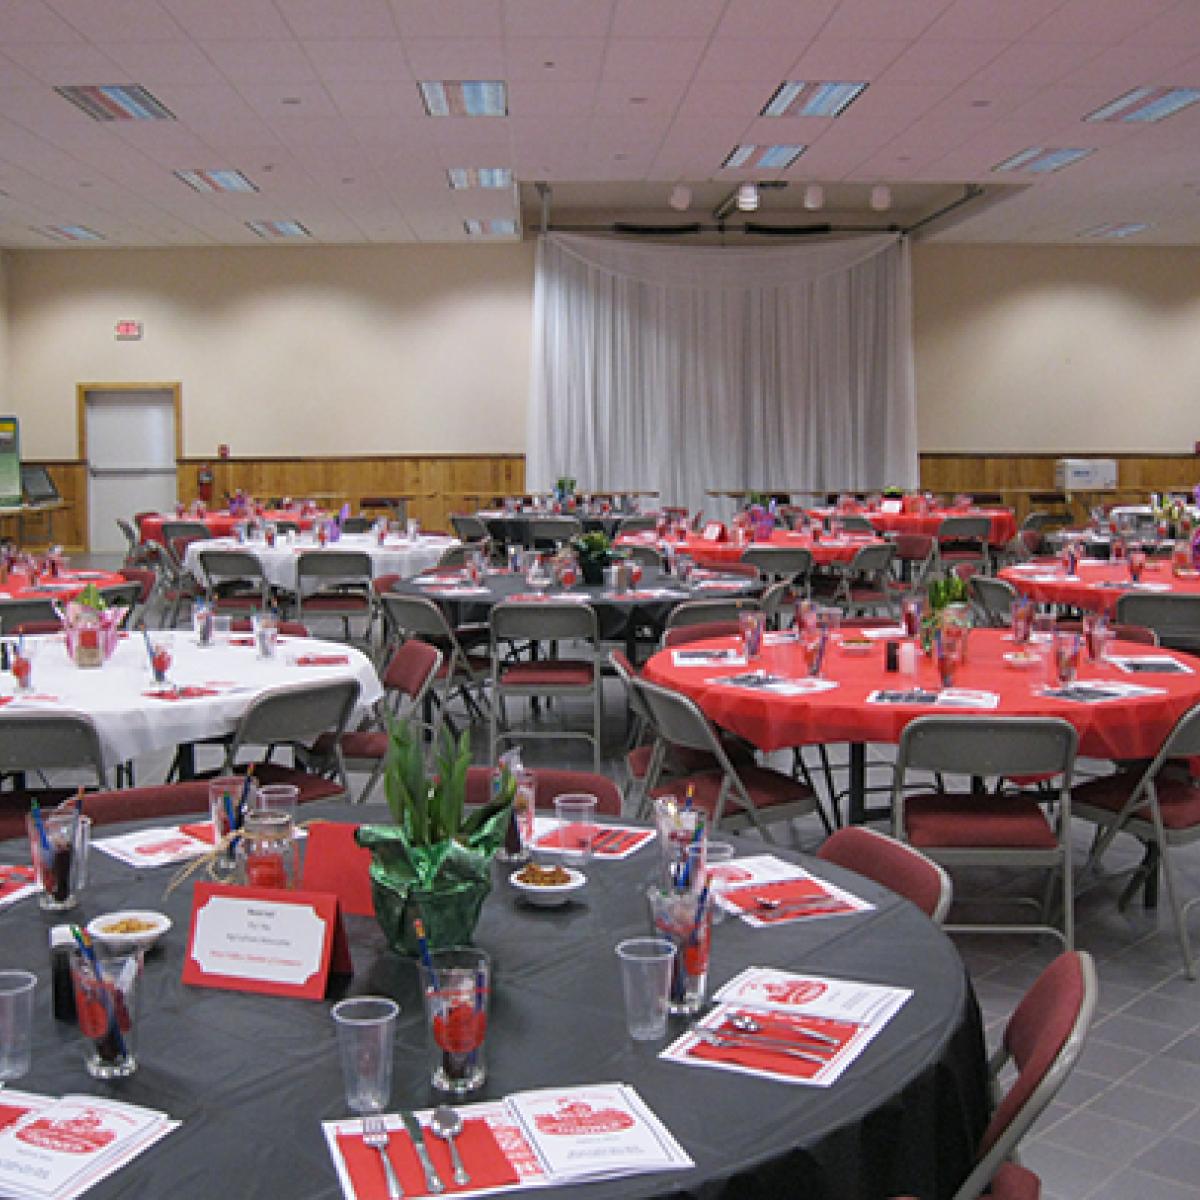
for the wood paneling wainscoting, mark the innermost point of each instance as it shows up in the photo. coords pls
(441, 483)
(446, 483)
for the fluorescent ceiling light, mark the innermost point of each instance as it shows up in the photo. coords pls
(768, 157)
(680, 198)
(1128, 229)
(216, 181)
(464, 97)
(814, 197)
(747, 197)
(479, 177)
(1146, 104)
(797, 98)
(118, 102)
(494, 227)
(1041, 161)
(70, 233)
(278, 229)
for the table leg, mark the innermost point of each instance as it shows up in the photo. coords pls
(856, 812)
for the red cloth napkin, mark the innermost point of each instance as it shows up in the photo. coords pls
(768, 1058)
(486, 1163)
(791, 894)
(574, 837)
(241, 641)
(11, 1113)
(322, 660)
(611, 843)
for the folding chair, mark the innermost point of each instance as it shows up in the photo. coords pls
(782, 563)
(1001, 828)
(734, 797)
(548, 784)
(295, 717)
(469, 528)
(896, 865)
(723, 615)
(234, 581)
(551, 533)
(1160, 806)
(358, 524)
(545, 678)
(993, 598)
(915, 556)
(17, 613)
(343, 587)
(964, 540)
(855, 523)
(866, 583)
(637, 524)
(648, 556)
(406, 680)
(1175, 618)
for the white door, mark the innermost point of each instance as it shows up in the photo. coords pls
(131, 460)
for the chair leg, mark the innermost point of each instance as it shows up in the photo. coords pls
(1168, 873)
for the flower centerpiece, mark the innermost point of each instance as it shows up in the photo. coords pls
(948, 604)
(435, 862)
(595, 552)
(564, 488)
(91, 627)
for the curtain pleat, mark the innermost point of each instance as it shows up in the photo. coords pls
(693, 368)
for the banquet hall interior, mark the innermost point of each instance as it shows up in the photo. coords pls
(417, 259)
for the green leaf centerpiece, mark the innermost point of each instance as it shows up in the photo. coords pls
(435, 862)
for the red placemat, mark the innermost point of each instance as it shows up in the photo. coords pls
(485, 1162)
(797, 898)
(768, 1058)
(321, 660)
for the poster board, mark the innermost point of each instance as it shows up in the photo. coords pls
(10, 463)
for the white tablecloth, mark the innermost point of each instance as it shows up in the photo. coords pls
(131, 722)
(395, 557)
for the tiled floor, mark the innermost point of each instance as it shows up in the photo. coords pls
(1127, 1124)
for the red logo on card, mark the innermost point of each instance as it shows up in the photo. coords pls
(84, 1134)
(575, 1117)
(793, 993)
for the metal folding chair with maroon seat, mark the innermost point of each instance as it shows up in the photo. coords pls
(867, 584)
(896, 865)
(914, 557)
(1011, 1182)
(1160, 806)
(548, 784)
(295, 717)
(1007, 827)
(549, 677)
(285, 628)
(406, 680)
(696, 619)
(734, 797)
(342, 580)
(147, 580)
(234, 581)
(964, 540)
(28, 616)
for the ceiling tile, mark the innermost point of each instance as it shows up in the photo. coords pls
(106, 21)
(843, 61)
(455, 58)
(360, 60)
(1098, 21)
(724, 99)
(883, 19)
(934, 61)
(753, 18)
(341, 20)
(967, 19)
(553, 60)
(666, 18)
(68, 63)
(355, 100)
(152, 63)
(449, 18)
(274, 100)
(261, 61)
(31, 22)
(550, 99)
(562, 18)
(731, 60)
(228, 20)
(645, 58)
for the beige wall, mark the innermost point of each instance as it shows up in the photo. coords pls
(1026, 348)
(401, 349)
(283, 351)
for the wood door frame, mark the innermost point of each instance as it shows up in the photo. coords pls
(82, 390)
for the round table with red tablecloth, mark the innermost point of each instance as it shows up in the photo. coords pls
(64, 586)
(1003, 521)
(221, 524)
(825, 549)
(1097, 585)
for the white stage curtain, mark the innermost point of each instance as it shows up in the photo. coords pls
(694, 368)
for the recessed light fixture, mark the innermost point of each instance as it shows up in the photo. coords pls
(216, 181)
(1128, 229)
(493, 227)
(464, 97)
(117, 102)
(1041, 161)
(70, 233)
(1146, 104)
(797, 98)
(479, 177)
(278, 229)
(747, 197)
(767, 157)
(814, 197)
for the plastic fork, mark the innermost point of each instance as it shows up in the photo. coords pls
(375, 1135)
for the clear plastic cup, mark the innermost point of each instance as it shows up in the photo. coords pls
(576, 826)
(16, 1023)
(685, 920)
(646, 983)
(366, 1033)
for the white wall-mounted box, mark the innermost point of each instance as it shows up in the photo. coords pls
(1083, 473)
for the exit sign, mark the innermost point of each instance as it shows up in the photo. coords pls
(129, 331)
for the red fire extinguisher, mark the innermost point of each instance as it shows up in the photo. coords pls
(204, 483)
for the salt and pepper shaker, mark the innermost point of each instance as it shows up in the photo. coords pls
(62, 991)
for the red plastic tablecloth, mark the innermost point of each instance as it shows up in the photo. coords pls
(1004, 521)
(719, 554)
(219, 524)
(1093, 588)
(1127, 728)
(62, 587)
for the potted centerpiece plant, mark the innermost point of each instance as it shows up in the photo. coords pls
(434, 863)
(948, 604)
(595, 552)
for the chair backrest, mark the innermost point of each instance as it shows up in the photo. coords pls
(14, 613)
(554, 530)
(144, 577)
(415, 616)
(1043, 1040)
(357, 525)
(543, 621)
(682, 635)
(469, 528)
(1175, 618)
(296, 713)
(964, 529)
(648, 556)
(550, 784)
(223, 566)
(873, 562)
(994, 597)
(40, 741)
(700, 612)
(988, 746)
(894, 864)
(677, 720)
(191, 530)
(856, 523)
(457, 556)
(282, 526)
(780, 562)
(412, 669)
(123, 595)
(627, 673)
(913, 547)
(129, 534)
(284, 628)
(1039, 521)
(637, 523)
(1123, 633)
(353, 565)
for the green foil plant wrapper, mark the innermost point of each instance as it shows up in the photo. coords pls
(435, 862)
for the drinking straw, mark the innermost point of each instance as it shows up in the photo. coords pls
(701, 904)
(244, 802)
(35, 811)
(149, 648)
